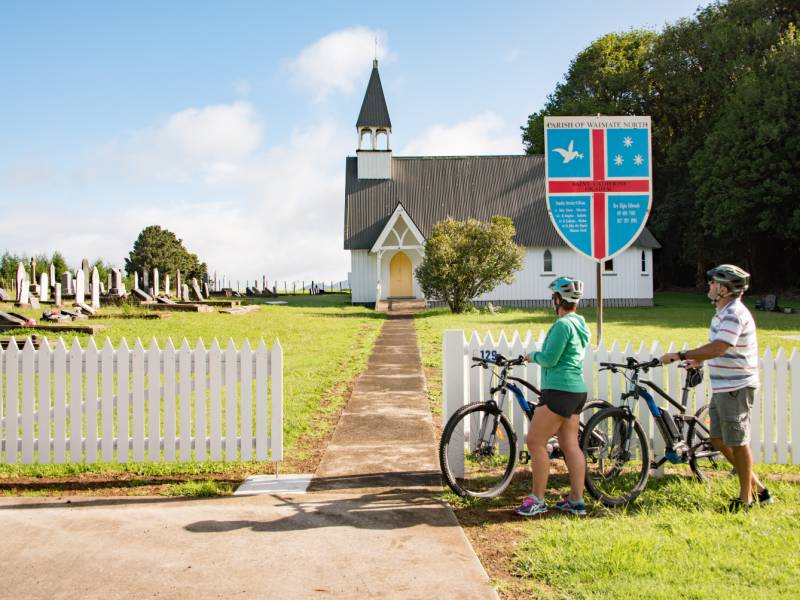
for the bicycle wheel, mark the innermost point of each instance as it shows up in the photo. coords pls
(702, 455)
(480, 438)
(617, 457)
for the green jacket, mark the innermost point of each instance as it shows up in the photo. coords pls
(561, 356)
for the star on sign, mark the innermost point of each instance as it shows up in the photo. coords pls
(627, 141)
(618, 160)
(638, 160)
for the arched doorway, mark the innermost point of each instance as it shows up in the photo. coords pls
(400, 276)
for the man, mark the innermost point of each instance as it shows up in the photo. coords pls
(732, 355)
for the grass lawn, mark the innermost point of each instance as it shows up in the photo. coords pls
(676, 317)
(674, 541)
(326, 342)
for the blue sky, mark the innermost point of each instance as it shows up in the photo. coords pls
(229, 123)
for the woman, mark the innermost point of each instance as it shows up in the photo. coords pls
(563, 398)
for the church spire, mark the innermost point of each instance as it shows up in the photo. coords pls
(374, 113)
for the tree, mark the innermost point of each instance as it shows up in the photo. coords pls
(160, 248)
(464, 259)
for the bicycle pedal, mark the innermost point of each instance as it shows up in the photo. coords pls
(524, 457)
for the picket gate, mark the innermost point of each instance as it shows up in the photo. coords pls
(776, 412)
(140, 405)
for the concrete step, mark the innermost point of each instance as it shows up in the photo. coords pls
(406, 305)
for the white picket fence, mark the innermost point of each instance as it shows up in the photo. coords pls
(776, 412)
(140, 405)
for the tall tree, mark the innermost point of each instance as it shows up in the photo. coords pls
(464, 259)
(160, 248)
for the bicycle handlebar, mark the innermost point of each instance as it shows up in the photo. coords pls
(632, 364)
(500, 361)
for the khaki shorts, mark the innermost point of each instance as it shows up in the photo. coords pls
(730, 416)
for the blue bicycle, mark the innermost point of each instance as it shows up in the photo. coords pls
(478, 450)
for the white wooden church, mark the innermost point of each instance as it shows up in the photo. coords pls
(393, 202)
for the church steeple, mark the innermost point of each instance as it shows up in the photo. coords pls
(375, 127)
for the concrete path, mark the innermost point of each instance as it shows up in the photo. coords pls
(371, 526)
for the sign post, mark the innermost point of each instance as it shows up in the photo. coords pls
(599, 185)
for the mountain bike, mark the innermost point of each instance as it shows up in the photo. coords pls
(480, 437)
(615, 445)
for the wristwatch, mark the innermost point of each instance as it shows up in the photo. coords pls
(682, 354)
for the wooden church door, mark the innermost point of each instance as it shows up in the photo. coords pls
(400, 275)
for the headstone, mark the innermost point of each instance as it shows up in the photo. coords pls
(57, 294)
(66, 283)
(85, 269)
(145, 280)
(4, 296)
(102, 289)
(52, 274)
(179, 286)
(95, 289)
(198, 295)
(117, 287)
(34, 302)
(80, 287)
(21, 278)
(206, 291)
(108, 281)
(44, 287)
(156, 291)
(166, 285)
(34, 287)
(185, 292)
(135, 280)
(165, 300)
(145, 297)
(86, 308)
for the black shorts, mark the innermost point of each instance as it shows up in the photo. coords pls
(564, 404)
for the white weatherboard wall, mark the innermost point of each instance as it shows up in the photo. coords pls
(140, 405)
(628, 280)
(776, 412)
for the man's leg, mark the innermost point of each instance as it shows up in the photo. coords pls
(743, 461)
(576, 462)
(755, 482)
(545, 424)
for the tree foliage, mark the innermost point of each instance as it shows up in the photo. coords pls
(720, 90)
(160, 248)
(464, 259)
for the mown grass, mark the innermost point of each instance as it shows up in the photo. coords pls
(676, 317)
(326, 342)
(198, 489)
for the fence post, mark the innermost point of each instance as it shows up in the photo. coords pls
(454, 391)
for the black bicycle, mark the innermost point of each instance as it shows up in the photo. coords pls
(478, 450)
(617, 451)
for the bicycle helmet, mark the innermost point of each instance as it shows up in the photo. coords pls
(568, 288)
(736, 279)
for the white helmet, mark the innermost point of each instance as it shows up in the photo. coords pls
(568, 288)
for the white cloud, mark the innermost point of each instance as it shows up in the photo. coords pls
(485, 133)
(337, 61)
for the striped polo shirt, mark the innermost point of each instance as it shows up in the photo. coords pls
(738, 367)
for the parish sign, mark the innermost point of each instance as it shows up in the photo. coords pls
(599, 181)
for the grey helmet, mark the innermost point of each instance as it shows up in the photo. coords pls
(568, 288)
(736, 279)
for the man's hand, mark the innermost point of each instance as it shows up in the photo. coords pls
(669, 357)
(691, 363)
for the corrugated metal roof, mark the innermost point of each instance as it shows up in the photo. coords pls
(373, 109)
(434, 188)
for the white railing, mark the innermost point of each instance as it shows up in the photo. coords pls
(776, 413)
(140, 405)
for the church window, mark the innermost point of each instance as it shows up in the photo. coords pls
(548, 261)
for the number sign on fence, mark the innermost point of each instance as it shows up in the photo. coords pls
(140, 405)
(776, 412)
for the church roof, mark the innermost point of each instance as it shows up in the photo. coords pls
(432, 188)
(373, 109)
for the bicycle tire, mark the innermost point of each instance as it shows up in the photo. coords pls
(625, 478)
(487, 472)
(702, 455)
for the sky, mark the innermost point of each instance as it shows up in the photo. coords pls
(229, 123)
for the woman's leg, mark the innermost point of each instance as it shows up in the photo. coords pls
(544, 425)
(576, 462)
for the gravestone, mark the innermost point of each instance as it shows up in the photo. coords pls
(144, 296)
(44, 287)
(156, 291)
(52, 272)
(66, 283)
(4, 297)
(21, 277)
(86, 308)
(108, 280)
(117, 287)
(85, 269)
(102, 289)
(185, 292)
(57, 294)
(34, 287)
(206, 292)
(146, 281)
(23, 289)
(80, 288)
(135, 280)
(34, 302)
(95, 289)
(198, 295)
(179, 286)
(166, 285)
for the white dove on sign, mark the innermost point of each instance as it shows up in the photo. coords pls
(569, 153)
